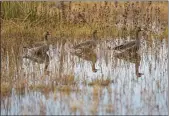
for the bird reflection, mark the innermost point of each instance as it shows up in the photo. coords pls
(87, 54)
(38, 58)
(132, 57)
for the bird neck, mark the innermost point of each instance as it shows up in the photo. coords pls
(95, 36)
(46, 38)
(93, 67)
(138, 37)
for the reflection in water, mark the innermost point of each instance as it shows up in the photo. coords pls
(133, 57)
(89, 55)
(38, 55)
(61, 57)
(85, 50)
(126, 95)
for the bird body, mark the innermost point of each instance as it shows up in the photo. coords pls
(85, 51)
(87, 44)
(132, 46)
(41, 43)
(40, 48)
(91, 44)
(39, 59)
(38, 53)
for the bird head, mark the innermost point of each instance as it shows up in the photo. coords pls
(95, 31)
(95, 35)
(46, 35)
(139, 29)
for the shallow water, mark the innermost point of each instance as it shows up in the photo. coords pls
(127, 94)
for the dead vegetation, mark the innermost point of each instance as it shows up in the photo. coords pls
(27, 23)
(100, 82)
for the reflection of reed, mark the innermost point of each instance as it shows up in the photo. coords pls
(89, 55)
(132, 58)
(62, 57)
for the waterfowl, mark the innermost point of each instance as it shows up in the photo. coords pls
(91, 44)
(38, 44)
(38, 52)
(131, 46)
(43, 58)
(39, 49)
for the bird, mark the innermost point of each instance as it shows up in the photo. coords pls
(40, 48)
(41, 43)
(85, 50)
(132, 46)
(90, 44)
(38, 52)
(39, 59)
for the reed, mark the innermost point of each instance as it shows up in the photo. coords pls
(24, 23)
(64, 16)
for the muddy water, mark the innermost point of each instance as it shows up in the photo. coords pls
(128, 92)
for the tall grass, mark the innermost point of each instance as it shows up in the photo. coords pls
(25, 22)
(99, 15)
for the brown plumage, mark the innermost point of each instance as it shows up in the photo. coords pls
(41, 43)
(38, 52)
(40, 48)
(39, 59)
(88, 44)
(131, 46)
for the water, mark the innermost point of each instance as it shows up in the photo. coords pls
(126, 94)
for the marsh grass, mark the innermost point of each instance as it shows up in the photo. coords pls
(24, 23)
(100, 82)
(102, 16)
(5, 89)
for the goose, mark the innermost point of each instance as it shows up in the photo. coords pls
(39, 55)
(131, 46)
(38, 52)
(38, 44)
(39, 59)
(39, 49)
(90, 44)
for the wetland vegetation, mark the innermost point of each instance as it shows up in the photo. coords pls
(93, 80)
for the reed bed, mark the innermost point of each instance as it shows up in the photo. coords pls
(24, 23)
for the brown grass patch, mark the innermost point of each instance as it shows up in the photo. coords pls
(100, 82)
